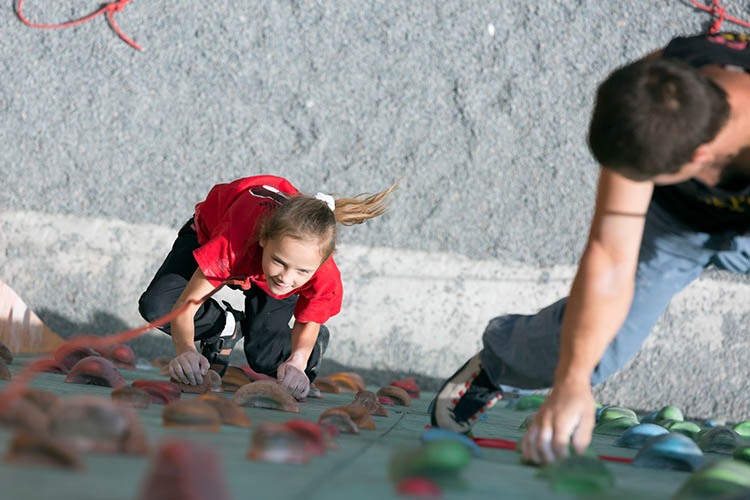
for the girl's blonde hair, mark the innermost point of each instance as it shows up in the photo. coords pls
(306, 217)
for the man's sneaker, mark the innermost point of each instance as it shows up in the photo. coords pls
(464, 397)
(218, 350)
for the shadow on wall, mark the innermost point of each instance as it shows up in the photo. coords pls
(150, 345)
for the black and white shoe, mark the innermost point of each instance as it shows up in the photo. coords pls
(464, 397)
(218, 350)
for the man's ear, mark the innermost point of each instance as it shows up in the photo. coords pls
(262, 242)
(703, 156)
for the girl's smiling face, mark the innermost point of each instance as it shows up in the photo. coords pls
(288, 263)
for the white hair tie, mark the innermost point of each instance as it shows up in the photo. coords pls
(328, 199)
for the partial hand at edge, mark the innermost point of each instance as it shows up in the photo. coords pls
(568, 415)
(189, 367)
(294, 379)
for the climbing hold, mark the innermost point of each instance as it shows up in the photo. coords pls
(637, 435)
(530, 402)
(317, 437)
(720, 440)
(743, 429)
(436, 434)
(266, 394)
(713, 423)
(386, 401)
(742, 453)
(191, 414)
(360, 416)
(669, 413)
(184, 470)
(650, 418)
(724, 479)
(669, 451)
(255, 376)
(4, 370)
(95, 424)
(5, 354)
(397, 395)
(275, 443)
(615, 412)
(324, 384)
(230, 412)
(161, 362)
(161, 391)
(578, 474)
(347, 381)
(340, 419)
(23, 415)
(28, 448)
(131, 396)
(234, 378)
(436, 460)
(52, 366)
(68, 356)
(211, 383)
(409, 385)
(370, 401)
(120, 354)
(95, 370)
(614, 427)
(44, 400)
(419, 487)
(690, 429)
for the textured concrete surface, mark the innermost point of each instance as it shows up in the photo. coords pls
(482, 108)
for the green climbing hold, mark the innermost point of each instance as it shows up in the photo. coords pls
(742, 453)
(669, 413)
(578, 474)
(743, 429)
(615, 412)
(687, 428)
(530, 402)
(725, 477)
(436, 459)
(614, 427)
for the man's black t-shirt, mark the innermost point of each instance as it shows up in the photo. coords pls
(725, 207)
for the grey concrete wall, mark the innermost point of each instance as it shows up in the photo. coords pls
(481, 106)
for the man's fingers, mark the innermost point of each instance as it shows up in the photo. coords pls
(565, 424)
(582, 434)
(280, 372)
(175, 371)
(544, 444)
(529, 446)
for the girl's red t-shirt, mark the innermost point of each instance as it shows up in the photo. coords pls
(227, 224)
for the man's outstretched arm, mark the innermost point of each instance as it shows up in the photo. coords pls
(599, 301)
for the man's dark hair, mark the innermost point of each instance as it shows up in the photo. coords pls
(651, 115)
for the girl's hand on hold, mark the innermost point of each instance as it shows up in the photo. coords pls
(189, 367)
(294, 379)
(566, 417)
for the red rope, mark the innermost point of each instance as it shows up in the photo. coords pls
(109, 8)
(720, 12)
(21, 380)
(505, 444)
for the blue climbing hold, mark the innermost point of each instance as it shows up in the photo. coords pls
(669, 451)
(637, 435)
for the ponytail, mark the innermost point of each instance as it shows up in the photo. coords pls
(356, 210)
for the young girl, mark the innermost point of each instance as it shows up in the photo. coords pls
(281, 242)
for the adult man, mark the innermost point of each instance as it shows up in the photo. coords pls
(672, 133)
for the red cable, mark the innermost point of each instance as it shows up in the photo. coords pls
(110, 9)
(21, 380)
(719, 11)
